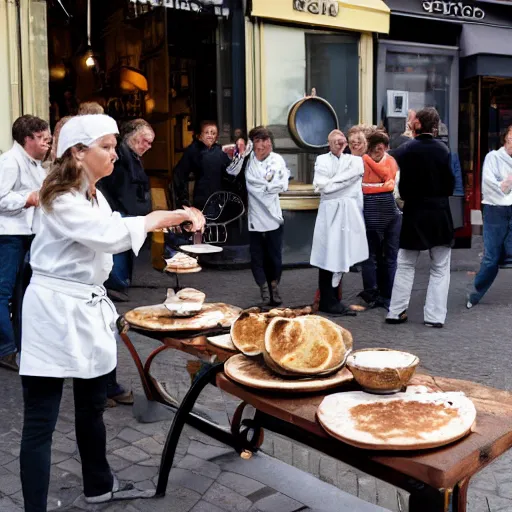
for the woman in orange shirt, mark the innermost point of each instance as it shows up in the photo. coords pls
(383, 221)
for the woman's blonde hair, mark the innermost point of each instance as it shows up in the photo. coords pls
(65, 175)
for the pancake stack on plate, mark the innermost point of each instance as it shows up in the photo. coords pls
(292, 342)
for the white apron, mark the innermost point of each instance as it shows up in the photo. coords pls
(339, 240)
(68, 322)
(70, 329)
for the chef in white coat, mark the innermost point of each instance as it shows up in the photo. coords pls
(339, 240)
(68, 320)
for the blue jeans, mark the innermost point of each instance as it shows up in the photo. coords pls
(120, 277)
(497, 241)
(380, 268)
(12, 250)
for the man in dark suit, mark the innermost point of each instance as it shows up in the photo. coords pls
(426, 183)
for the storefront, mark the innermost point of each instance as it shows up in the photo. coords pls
(23, 63)
(300, 45)
(452, 56)
(173, 63)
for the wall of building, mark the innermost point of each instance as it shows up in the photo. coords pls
(23, 63)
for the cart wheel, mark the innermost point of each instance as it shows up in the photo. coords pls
(247, 432)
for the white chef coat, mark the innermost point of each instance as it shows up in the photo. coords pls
(339, 240)
(20, 174)
(265, 180)
(497, 167)
(68, 322)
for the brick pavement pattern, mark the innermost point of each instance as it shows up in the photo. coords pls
(209, 477)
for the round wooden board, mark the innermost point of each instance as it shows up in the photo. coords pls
(159, 318)
(255, 374)
(336, 417)
(223, 341)
(192, 270)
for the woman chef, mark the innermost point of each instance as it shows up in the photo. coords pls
(68, 321)
(339, 240)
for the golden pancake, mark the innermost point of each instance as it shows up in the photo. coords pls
(248, 333)
(307, 345)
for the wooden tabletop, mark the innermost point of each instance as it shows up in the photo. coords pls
(440, 468)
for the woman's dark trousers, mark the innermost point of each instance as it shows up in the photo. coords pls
(42, 396)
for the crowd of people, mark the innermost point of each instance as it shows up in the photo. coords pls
(79, 209)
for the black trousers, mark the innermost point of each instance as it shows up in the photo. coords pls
(328, 294)
(266, 255)
(42, 396)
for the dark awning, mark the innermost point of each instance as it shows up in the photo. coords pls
(479, 39)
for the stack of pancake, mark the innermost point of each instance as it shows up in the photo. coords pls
(292, 343)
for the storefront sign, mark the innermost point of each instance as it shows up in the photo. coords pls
(322, 7)
(357, 15)
(189, 5)
(454, 9)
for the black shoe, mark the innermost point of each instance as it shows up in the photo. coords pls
(402, 318)
(117, 296)
(265, 295)
(435, 325)
(276, 296)
(370, 297)
(9, 362)
(338, 309)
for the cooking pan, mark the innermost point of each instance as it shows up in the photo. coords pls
(310, 121)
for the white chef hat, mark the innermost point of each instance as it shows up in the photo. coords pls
(85, 130)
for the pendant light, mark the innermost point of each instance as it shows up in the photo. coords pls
(90, 58)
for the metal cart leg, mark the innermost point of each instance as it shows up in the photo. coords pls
(180, 419)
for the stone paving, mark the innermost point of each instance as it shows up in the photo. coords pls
(210, 477)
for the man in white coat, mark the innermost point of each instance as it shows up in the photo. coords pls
(21, 177)
(339, 240)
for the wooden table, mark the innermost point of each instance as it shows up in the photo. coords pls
(437, 479)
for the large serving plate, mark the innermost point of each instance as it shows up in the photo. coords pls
(255, 374)
(406, 421)
(159, 318)
(201, 248)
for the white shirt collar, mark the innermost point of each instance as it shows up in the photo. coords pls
(21, 150)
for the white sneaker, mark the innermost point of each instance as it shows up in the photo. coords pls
(108, 496)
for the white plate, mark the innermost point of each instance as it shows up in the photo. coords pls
(183, 308)
(201, 248)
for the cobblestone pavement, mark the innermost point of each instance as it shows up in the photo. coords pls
(210, 477)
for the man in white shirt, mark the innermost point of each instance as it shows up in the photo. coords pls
(21, 177)
(265, 175)
(339, 239)
(497, 201)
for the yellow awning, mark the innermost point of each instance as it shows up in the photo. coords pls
(359, 15)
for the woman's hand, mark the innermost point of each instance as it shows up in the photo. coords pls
(197, 219)
(161, 219)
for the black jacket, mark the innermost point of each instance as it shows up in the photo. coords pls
(426, 183)
(127, 189)
(208, 168)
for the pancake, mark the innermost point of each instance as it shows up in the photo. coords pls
(159, 318)
(248, 332)
(406, 421)
(307, 345)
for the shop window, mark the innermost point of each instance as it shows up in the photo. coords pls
(333, 70)
(413, 78)
(296, 60)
